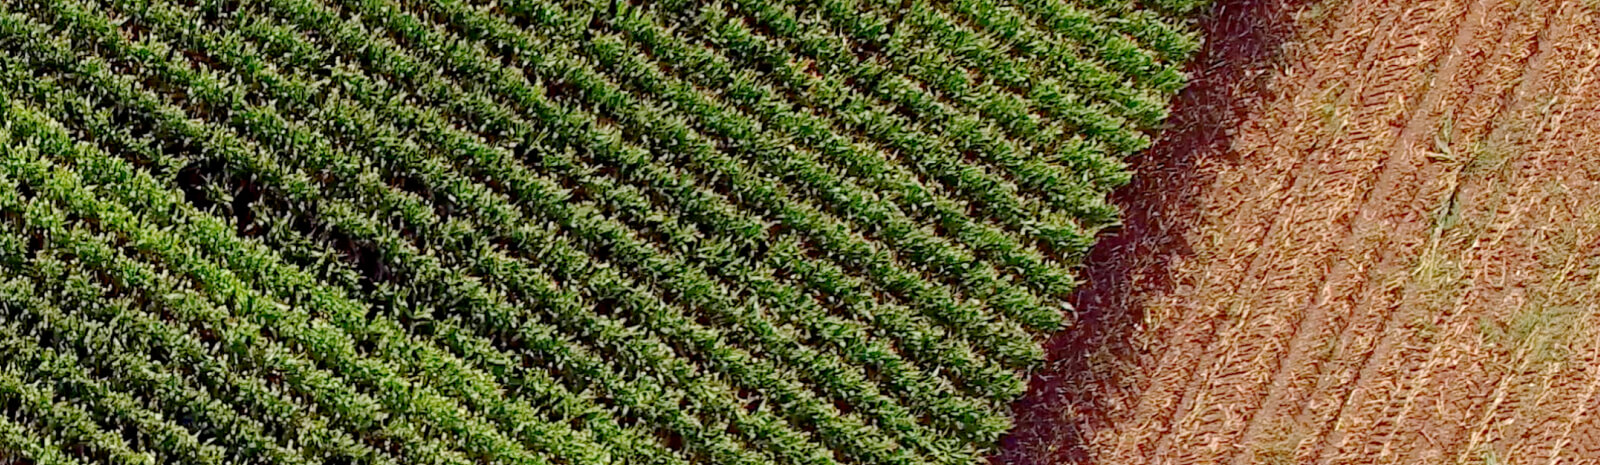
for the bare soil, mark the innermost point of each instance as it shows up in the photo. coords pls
(1371, 235)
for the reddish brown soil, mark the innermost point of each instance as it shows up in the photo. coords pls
(1372, 235)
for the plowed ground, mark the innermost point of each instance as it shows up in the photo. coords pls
(1371, 236)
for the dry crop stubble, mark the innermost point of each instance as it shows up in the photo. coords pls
(1373, 244)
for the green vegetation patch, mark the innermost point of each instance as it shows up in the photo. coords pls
(551, 231)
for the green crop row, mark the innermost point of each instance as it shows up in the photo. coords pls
(551, 231)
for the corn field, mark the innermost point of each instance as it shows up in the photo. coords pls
(552, 231)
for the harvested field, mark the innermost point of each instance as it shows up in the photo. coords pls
(1372, 235)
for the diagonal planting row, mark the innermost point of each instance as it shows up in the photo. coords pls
(289, 324)
(547, 334)
(934, 145)
(549, 231)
